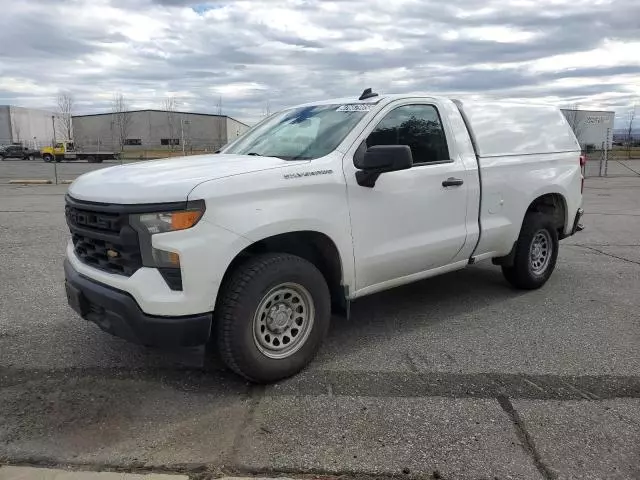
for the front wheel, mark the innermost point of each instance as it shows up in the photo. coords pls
(47, 158)
(536, 253)
(272, 316)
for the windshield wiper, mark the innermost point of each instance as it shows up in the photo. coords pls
(254, 154)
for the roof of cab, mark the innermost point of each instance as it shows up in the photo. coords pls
(374, 100)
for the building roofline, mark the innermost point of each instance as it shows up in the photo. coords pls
(162, 111)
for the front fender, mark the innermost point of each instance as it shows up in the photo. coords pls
(263, 204)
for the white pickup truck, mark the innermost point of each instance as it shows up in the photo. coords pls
(251, 250)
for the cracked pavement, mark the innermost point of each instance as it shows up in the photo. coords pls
(456, 377)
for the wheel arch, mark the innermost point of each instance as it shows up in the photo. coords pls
(315, 247)
(553, 204)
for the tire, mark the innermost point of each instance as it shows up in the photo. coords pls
(536, 253)
(58, 159)
(91, 159)
(254, 317)
(47, 158)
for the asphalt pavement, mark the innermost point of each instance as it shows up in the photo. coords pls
(456, 377)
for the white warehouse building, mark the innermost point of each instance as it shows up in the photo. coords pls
(146, 129)
(593, 128)
(27, 126)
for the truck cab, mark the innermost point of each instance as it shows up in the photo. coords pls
(250, 250)
(57, 151)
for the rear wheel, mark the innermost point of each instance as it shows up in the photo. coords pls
(536, 253)
(91, 159)
(272, 316)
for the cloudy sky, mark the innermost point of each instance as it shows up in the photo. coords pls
(259, 54)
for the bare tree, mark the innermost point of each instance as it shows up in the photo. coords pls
(121, 119)
(632, 117)
(169, 106)
(65, 111)
(576, 122)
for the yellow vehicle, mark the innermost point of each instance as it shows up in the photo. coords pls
(66, 151)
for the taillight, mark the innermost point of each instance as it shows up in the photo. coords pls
(583, 163)
(583, 160)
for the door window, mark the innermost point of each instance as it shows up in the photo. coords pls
(417, 126)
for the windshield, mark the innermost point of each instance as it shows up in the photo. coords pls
(302, 133)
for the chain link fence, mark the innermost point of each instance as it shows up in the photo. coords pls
(617, 162)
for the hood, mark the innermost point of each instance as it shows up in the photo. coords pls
(168, 180)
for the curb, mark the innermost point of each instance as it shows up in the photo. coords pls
(30, 473)
(35, 473)
(30, 182)
(38, 182)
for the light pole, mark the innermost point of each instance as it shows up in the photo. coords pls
(182, 123)
(53, 146)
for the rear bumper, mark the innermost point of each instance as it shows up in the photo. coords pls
(117, 313)
(577, 226)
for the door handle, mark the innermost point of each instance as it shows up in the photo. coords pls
(452, 182)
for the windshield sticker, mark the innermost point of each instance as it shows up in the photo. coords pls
(356, 107)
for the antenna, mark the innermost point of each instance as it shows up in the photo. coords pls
(368, 93)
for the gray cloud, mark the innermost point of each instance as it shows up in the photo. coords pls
(293, 51)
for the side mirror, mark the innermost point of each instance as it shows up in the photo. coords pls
(380, 159)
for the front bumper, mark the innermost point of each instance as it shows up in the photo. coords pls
(117, 313)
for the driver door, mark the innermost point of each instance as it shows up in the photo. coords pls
(409, 222)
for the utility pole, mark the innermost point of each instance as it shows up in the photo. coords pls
(53, 146)
(182, 134)
(182, 123)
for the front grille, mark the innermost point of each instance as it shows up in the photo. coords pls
(102, 237)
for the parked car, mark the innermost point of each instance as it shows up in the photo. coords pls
(18, 151)
(251, 249)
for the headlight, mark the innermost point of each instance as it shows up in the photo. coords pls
(149, 223)
(161, 222)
